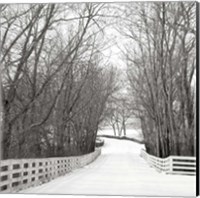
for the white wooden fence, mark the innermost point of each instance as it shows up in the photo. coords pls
(19, 174)
(171, 165)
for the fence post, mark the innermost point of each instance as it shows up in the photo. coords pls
(10, 168)
(170, 164)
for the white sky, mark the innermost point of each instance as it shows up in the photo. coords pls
(114, 51)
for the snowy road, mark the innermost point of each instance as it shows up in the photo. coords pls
(118, 171)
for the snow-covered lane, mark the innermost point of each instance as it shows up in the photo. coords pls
(118, 171)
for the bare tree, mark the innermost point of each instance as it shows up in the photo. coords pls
(118, 112)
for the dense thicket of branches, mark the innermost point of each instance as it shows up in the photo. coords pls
(54, 85)
(161, 63)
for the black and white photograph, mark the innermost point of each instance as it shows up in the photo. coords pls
(99, 98)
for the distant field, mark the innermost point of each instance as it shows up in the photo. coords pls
(132, 133)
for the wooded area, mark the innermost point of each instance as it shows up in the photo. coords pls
(161, 65)
(58, 85)
(55, 83)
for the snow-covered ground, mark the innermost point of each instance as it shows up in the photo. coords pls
(118, 171)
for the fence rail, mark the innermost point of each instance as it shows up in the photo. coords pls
(171, 165)
(16, 175)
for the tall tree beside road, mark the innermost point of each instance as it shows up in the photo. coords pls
(161, 63)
